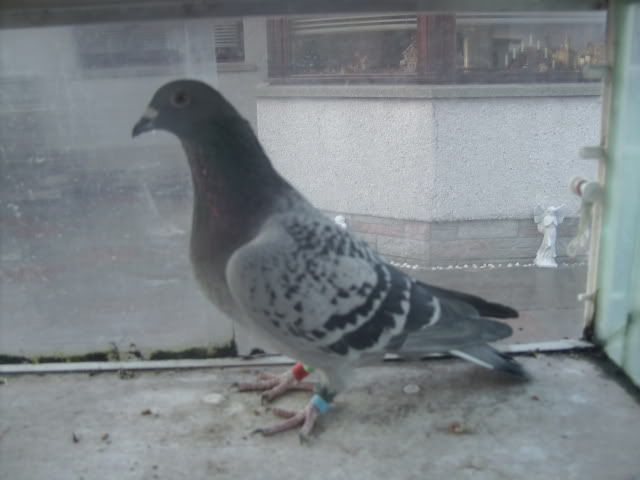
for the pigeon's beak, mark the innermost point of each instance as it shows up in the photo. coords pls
(146, 122)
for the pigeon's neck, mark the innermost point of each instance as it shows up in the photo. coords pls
(233, 178)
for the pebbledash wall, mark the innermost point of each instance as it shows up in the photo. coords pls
(436, 175)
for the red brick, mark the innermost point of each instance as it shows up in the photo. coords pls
(416, 230)
(377, 228)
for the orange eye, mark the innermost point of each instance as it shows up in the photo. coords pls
(180, 99)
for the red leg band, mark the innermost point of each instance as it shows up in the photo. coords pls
(299, 371)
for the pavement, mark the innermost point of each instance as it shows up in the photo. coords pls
(437, 419)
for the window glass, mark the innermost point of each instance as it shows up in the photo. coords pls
(446, 141)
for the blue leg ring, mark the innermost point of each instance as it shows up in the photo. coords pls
(320, 403)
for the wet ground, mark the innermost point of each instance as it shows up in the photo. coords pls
(546, 298)
(86, 276)
(97, 260)
(88, 313)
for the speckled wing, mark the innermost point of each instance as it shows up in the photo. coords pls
(315, 286)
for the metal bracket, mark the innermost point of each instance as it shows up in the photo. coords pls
(593, 153)
(587, 297)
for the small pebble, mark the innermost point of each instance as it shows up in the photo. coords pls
(411, 389)
(126, 374)
(213, 398)
(455, 427)
(458, 428)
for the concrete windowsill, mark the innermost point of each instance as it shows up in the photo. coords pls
(457, 421)
(232, 67)
(430, 91)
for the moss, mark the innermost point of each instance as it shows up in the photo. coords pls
(51, 359)
(90, 357)
(228, 350)
(85, 357)
(13, 359)
(55, 358)
(171, 355)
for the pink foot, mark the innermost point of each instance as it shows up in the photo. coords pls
(273, 386)
(306, 418)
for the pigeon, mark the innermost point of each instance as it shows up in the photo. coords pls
(267, 257)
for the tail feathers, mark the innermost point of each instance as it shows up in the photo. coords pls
(484, 308)
(490, 358)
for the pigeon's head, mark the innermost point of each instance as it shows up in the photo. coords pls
(183, 107)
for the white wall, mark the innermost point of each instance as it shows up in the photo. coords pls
(497, 158)
(364, 156)
(432, 159)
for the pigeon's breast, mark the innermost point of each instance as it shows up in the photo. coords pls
(210, 249)
(211, 279)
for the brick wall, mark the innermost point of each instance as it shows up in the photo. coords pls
(452, 243)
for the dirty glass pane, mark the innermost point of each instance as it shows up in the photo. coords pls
(459, 185)
(94, 226)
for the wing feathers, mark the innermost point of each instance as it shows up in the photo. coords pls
(318, 288)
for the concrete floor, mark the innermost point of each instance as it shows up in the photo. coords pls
(574, 421)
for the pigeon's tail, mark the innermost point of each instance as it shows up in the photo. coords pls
(490, 358)
(484, 308)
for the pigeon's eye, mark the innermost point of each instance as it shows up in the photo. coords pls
(180, 99)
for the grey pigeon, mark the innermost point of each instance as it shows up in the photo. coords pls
(266, 256)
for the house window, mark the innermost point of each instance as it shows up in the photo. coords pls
(155, 47)
(453, 48)
(229, 41)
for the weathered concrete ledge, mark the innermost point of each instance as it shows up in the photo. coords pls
(566, 345)
(439, 420)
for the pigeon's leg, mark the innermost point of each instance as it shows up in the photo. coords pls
(305, 418)
(273, 386)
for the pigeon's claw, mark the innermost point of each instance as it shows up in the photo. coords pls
(305, 419)
(273, 386)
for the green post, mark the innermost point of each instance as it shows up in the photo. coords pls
(617, 325)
